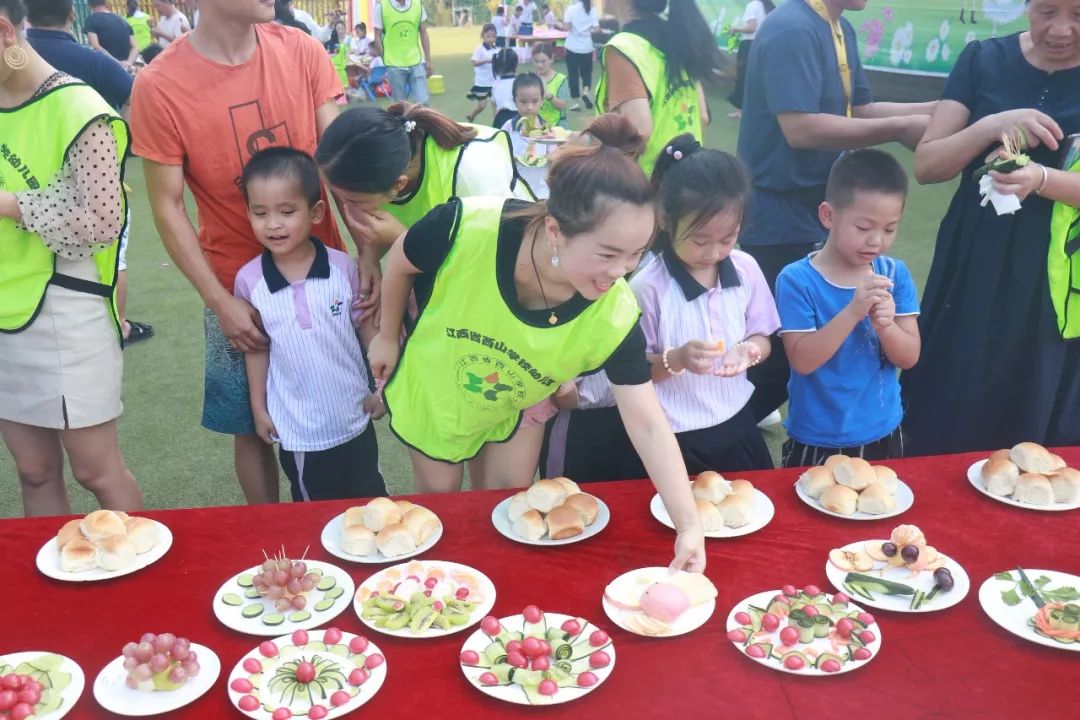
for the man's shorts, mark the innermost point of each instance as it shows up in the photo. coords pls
(226, 404)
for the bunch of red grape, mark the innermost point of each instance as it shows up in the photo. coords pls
(155, 654)
(286, 582)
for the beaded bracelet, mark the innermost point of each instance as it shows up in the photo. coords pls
(667, 366)
(755, 360)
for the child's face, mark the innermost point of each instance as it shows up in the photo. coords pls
(528, 100)
(280, 215)
(541, 63)
(488, 37)
(703, 247)
(864, 229)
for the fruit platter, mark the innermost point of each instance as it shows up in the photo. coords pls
(317, 675)
(104, 544)
(654, 603)
(1043, 606)
(424, 599)
(282, 595)
(157, 674)
(804, 631)
(382, 531)
(1027, 476)
(727, 508)
(902, 573)
(853, 489)
(537, 658)
(38, 685)
(552, 511)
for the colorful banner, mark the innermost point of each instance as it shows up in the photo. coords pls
(922, 37)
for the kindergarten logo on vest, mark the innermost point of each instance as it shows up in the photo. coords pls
(488, 383)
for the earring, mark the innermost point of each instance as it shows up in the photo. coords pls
(16, 58)
(555, 261)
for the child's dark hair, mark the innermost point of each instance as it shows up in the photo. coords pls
(695, 183)
(527, 80)
(505, 62)
(585, 180)
(284, 162)
(14, 11)
(362, 27)
(366, 149)
(545, 49)
(488, 27)
(150, 52)
(501, 10)
(868, 170)
(686, 40)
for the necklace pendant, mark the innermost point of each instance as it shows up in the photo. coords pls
(552, 320)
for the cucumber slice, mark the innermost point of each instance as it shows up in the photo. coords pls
(917, 600)
(273, 619)
(327, 582)
(232, 599)
(245, 580)
(299, 616)
(252, 611)
(881, 585)
(323, 605)
(251, 593)
(334, 593)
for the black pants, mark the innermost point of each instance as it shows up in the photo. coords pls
(350, 470)
(736, 96)
(732, 446)
(500, 41)
(770, 378)
(796, 454)
(578, 66)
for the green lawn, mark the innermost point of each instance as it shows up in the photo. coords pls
(181, 465)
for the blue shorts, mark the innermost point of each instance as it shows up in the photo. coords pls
(409, 83)
(226, 404)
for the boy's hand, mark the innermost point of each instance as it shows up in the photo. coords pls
(264, 427)
(374, 406)
(737, 360)
(566, 397)
(697, 356)
(883, 314)
(383, 355)
(871, 290)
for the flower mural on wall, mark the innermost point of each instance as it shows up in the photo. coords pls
(903, 38)
(874, 30)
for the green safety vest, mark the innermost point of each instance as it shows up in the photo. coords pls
(140, 26)
(401, 34)
(33, 147)
(471, 366)
(1063, 266)
(551, 114)
(439, 175)
(340, 59)
(674, 111)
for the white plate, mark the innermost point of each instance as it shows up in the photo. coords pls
(514, 693)
(69, 695)
(975, 479)
(1015, 618)
(287, 651)
(763, 515)
(901, 603)
(115, 696)
(761, 600)
(48, 560)
(396, 573)
(500, 518)
(231, 615)
(692, 619)
(905, 498)
(331, 540)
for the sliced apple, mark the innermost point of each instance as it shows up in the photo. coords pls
(873, 549)
(643, 624)
(851, 560)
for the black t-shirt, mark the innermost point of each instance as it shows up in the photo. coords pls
(428, 242)
(113, 33)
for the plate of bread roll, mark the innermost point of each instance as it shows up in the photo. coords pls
(551, 512)
(103, 545)
(727, 508)
(853, 489)
(382, 531)
(1027, 476)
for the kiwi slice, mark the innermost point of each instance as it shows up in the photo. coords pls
(334, 593)
(327, 582)
(251, 593)
(273, 619)
(232, 599)
(252, 611)
(245, 580)
(324, 605)
(300, 616)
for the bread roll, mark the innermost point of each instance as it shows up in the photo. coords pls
(999, 476)
(876, 499)
(358, 540)
(712, 519)
(586, 505)
(1057, 461)
(1033, 489)
(569, 485)
(711, 487)
(564, 522)
(404, 506)
(530, 526)
(102, 524)
(70, 531)
(1066, 485)
(354, 516)
(78, 555)
(1032, 458)
(394, 540)
(887, 477)
(543, 495)
(816, 480)
(116, 553)
(379, 513)
(736, 510)
(839, 499)
(834, 461)
(143, 533)
(519, 505)
(422, 523)
(743, 488)
(856, 473)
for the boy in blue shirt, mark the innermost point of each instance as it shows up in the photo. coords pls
(848, 316)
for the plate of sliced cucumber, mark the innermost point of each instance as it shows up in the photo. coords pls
(871, 578)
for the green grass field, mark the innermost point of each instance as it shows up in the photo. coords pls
(178, 463)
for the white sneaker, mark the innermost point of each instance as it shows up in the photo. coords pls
(771, 420)
(576, 107)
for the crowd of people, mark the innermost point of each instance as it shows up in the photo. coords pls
(596, 320)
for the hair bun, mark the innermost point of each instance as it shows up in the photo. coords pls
(618, 133)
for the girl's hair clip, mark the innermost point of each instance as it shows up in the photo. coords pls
(410, 125)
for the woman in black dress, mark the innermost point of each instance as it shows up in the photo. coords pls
(995, 371)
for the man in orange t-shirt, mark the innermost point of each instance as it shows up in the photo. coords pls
(233, 86)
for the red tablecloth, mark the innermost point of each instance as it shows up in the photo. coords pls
(952, 664)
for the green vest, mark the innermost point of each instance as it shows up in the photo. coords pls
(471, 366)
(1063, 266)
(439, 175)
(34, 145)
(551, 114)
(140, 26)
(401, 34)
(340, 59)
(673, 112)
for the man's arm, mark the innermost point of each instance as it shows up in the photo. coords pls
(94, 42)
(133, 54)
(876, 110)
(376, 43)
(426, 45)
(822, 131)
